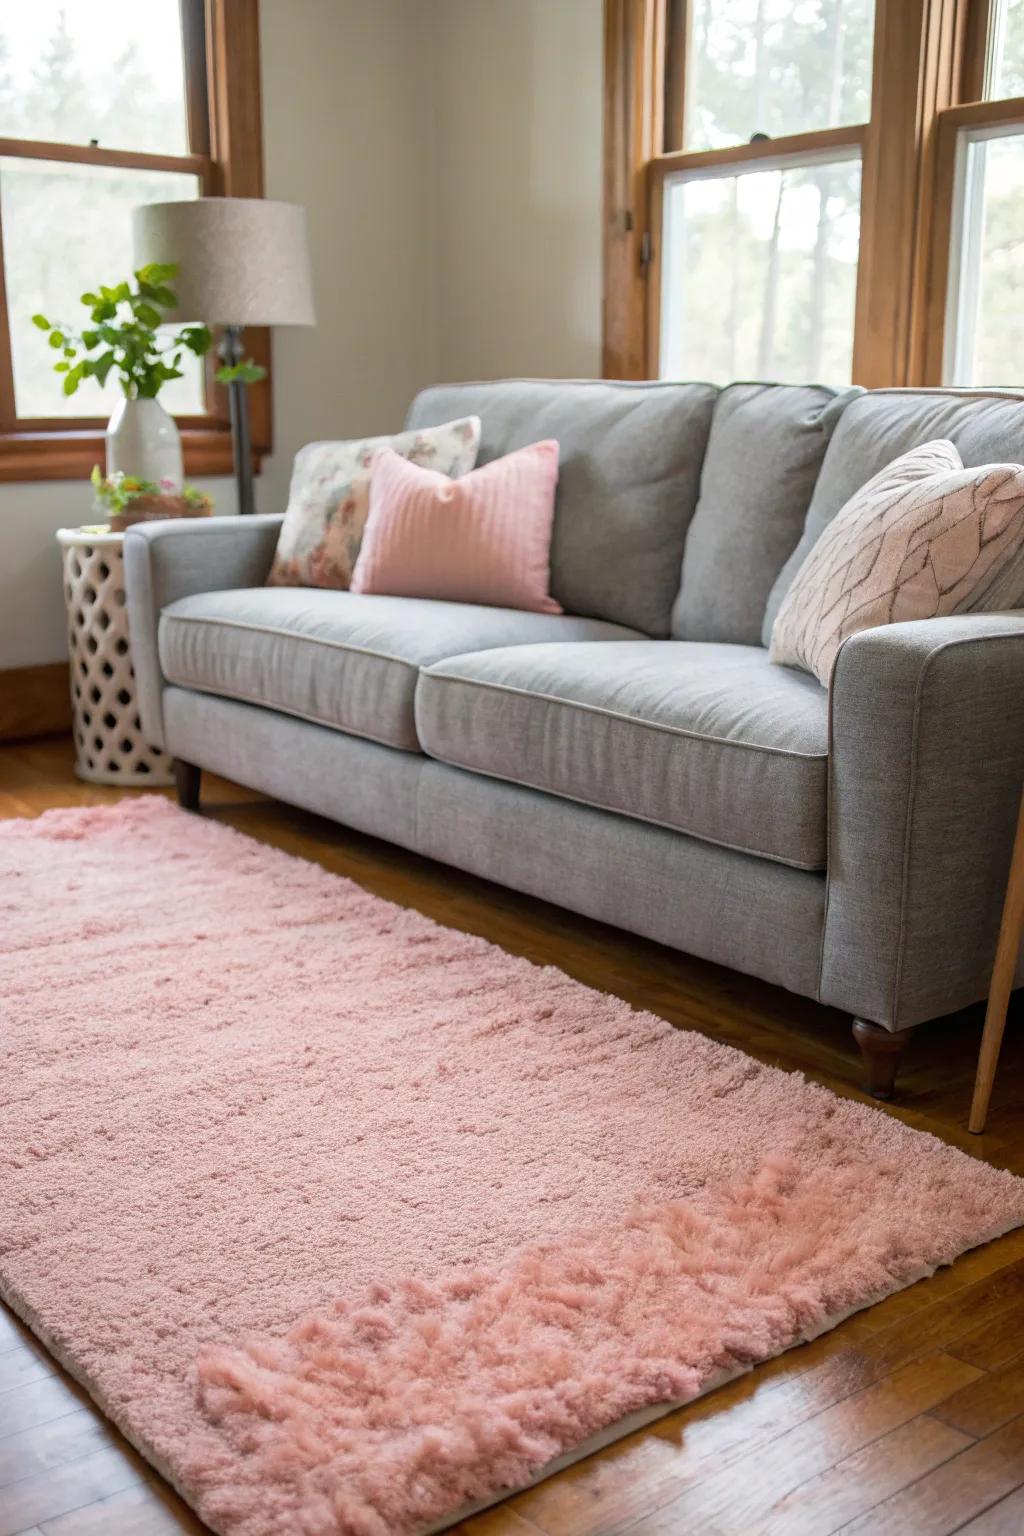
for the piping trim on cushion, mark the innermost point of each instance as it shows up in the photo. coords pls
(429, 671)
(289, 634)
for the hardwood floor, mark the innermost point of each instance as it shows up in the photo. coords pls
(907, 1420)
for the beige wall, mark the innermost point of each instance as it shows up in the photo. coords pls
(448, 154)
(519, 187)
(349, 131)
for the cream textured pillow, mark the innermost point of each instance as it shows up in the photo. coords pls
(329, 498)
(925, 537)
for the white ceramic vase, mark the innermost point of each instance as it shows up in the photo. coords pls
(143, 440)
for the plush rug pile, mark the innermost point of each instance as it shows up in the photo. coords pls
(347, 1219)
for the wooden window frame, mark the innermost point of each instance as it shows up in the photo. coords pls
(978, 49)
(928, 59)
(226, 153)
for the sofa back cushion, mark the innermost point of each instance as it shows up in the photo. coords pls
(985, 427)
(630, 457)
(764, 453)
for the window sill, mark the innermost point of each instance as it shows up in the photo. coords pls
(71, 455)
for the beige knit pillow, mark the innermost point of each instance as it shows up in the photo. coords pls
(925, 537)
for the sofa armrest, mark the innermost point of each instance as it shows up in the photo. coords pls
(926, 766)
(167, 560)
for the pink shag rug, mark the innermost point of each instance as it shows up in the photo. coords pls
(347, 1219)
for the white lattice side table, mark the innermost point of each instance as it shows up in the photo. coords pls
(109, 745)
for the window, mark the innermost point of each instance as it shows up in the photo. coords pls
(815, 189)
(971, 325)
(973, 320)
(773, 67)
(764, 236)
(102, 107)
(1004, 50)
(985, 305)
(772, 254)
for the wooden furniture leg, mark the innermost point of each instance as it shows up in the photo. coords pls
(186, 782)
(882, 1051)
(1003, 972)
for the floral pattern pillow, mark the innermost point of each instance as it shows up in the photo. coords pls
(329, 498)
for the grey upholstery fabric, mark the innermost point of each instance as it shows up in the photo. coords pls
(165, 561)
(763, 456)
(366, 786)
(342, 659)
(760, 917)
(629, 466)
(926, 771)
(986, 427)
(712, 740)
(748, 913)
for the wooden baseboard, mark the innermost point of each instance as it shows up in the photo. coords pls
(34, 701)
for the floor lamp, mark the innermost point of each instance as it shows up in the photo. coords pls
(241, 261)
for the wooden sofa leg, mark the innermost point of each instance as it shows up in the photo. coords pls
(186, 782)
(882, 1051)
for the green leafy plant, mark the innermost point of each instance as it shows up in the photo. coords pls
(248, 372)
(115, 493)
(122, 336)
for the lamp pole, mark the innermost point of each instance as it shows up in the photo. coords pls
(231, 352)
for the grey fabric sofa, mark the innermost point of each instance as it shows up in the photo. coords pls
(640, 760)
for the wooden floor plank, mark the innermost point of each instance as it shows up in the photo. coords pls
(41, 1446)
(856, 1484)
(992, 1343)
(37, 1403)
(40, 1497)
(21, 1365)
(501, 1521)
(950, 1319)
(1003, 1519)
(742, 1497)
(816, 1437)
(955, 1493)
(988, 1403)
(140, 1510)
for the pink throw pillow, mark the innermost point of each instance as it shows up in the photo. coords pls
(484, 538)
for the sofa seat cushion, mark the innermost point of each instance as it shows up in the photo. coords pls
(341, 659)
(709, 739)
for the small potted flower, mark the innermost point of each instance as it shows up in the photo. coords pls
(127, 499)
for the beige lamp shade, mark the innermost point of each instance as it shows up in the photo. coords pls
(240, 260)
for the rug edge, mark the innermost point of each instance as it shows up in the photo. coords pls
(630, 1424)
(640, 1418)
